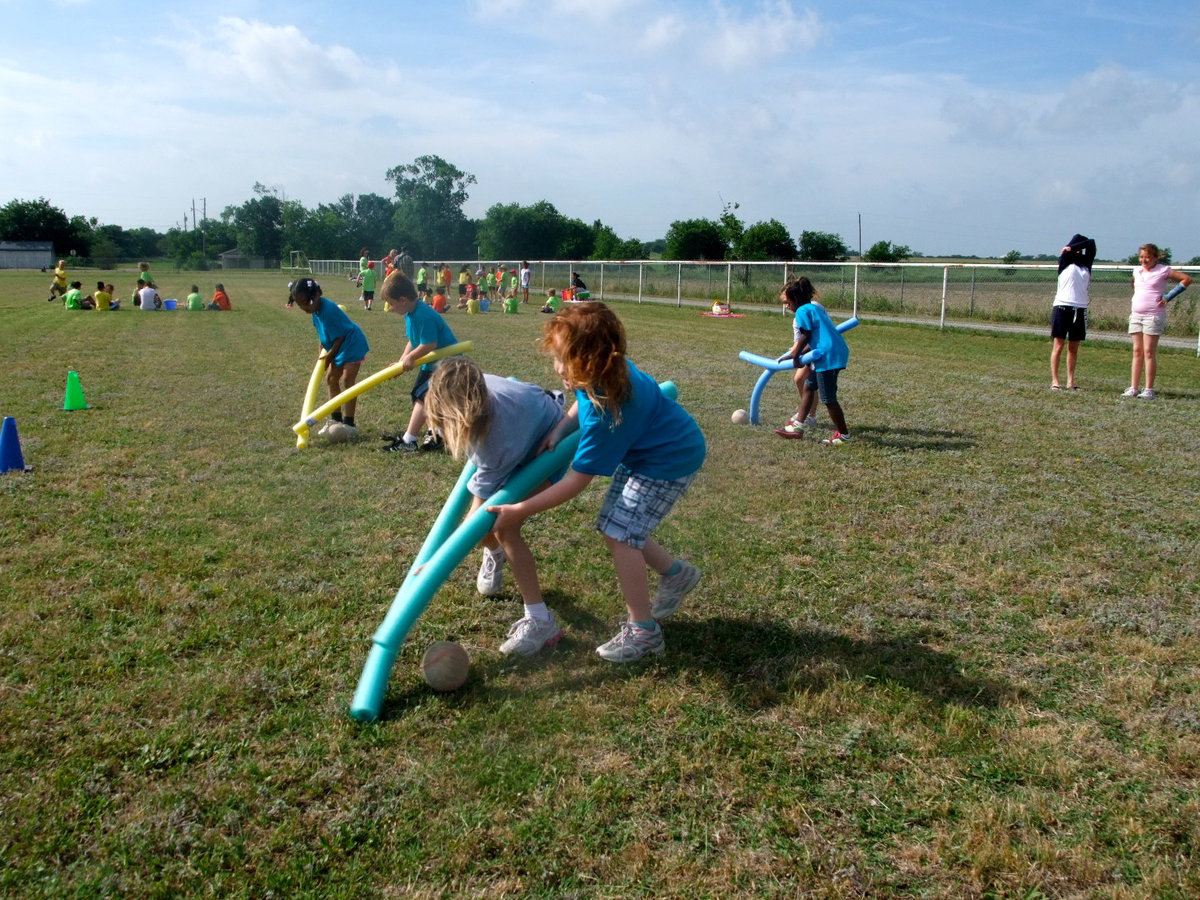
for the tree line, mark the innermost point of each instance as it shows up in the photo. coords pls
(425, 216)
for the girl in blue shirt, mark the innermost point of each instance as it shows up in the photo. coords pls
(815, 331)
(646, 442)
(344, 343)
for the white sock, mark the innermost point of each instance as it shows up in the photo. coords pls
(538, 611)
(410, 438)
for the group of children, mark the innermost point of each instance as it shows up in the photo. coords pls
(628, 430)
(145, 294)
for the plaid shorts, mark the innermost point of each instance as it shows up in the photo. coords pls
(634, 505)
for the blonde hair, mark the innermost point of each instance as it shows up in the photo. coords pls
(589, 340)
(458, 405)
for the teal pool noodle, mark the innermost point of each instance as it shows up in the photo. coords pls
(442, 558)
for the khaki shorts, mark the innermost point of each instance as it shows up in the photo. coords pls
(1155, 324)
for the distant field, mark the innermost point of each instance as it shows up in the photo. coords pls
(957, 657)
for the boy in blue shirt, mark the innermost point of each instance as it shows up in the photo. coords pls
(814, 330)
(426, 331)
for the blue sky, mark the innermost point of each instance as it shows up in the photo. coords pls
(967, 127)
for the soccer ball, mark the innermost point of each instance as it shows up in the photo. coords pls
(338, 433)
(740, 417)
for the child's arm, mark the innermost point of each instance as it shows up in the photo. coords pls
(412, 354)
(567, 424)
(333, 351)
(512, 515)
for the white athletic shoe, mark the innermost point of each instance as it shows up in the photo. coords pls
(490, 580)
(529, 635)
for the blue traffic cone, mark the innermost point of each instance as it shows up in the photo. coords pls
(10, 447)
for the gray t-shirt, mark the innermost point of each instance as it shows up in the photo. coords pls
(522, 414)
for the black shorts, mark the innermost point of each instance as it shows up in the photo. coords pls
(1068, 323)
(462, 290)
(368, 295)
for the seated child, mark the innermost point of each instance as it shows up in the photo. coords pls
(113, 302)
(553, 304)
(194, 300)
(220, 299)
(439, 303)
(720, 309)
(512, 304)
(102, 297)
(74, 299)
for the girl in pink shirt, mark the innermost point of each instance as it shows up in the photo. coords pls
(1148, 316)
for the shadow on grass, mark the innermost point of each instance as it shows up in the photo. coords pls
(912, 439)
(760, 663)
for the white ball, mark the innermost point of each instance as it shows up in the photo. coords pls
(338, 433)
(740, 417)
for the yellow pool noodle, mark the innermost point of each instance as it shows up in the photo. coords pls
(301, 428)
(310, 397)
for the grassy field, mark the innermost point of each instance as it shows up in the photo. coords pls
(957, 657)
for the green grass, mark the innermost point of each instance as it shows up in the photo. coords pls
(957, 657)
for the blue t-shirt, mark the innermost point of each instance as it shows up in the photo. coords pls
(331, 323)
(425, 325)
(656, 438)
(823, 338)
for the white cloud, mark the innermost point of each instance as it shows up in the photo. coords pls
(1110, 97)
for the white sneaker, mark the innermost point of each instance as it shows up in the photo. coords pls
(490, 580)
(324, 429)
(673, 588)
(529, 635)
(1147, 394)
(632, 643)
(1130, 392)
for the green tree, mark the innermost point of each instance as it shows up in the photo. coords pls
(430, 194)
(732, 230)
(509, 230)
(695, 239)
(575, 241)
(821, 246)
(886, 252)
(258, 224)
(1011, 256)
(766, 241)
(606, 244)
(371, 224)
(38, 220)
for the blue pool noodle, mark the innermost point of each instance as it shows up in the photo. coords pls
(449, 541)
(771, 366)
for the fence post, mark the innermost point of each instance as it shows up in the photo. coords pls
(971, 314)
(601, 281)
(728, 283)
(641, 277)
(855, 307)
(945, 281)
(901, 289)
(678, 285)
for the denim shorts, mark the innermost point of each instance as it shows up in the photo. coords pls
(825, 384)
(634, 505)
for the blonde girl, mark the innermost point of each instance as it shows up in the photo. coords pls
(649, 446)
